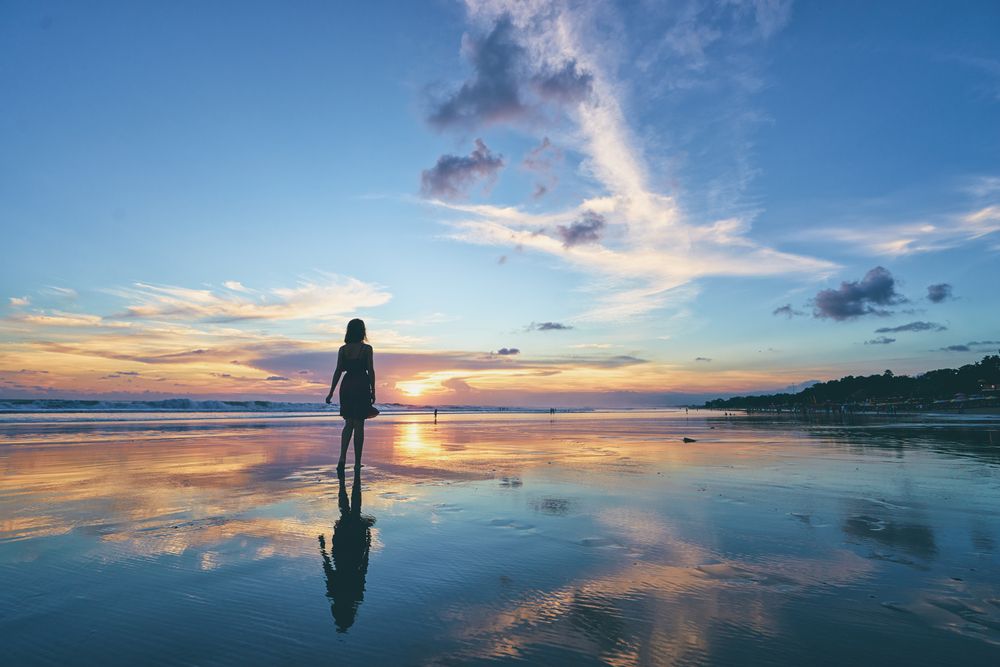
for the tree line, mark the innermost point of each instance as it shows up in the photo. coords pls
(943, 383)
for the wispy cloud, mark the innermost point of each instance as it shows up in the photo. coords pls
(547, 326)
(321, 298)
(896, 240)
(881, 340)
(656, 248)
(787, 311)
(913, 326)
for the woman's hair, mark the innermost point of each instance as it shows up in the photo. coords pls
(355, 331)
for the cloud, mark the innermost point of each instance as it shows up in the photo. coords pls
(585, 230)
(913, 326)
(881, 340)
(277, 378)
(548, 326)
(505, 351)
(897, 240)
(657, 249)
(453, 174)
(770, 15)
(856, 298)
(567, 85)
(19, 301)
(982, 345)
(938, 293)
(58, 318)
(322, 298)
(235, 285)
(493, 93)
(706, 359)
(541, 159)
(64, 292)
(787, 311)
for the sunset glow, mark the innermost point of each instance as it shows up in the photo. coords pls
(526, 208)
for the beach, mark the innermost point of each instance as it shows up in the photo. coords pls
(586, 538)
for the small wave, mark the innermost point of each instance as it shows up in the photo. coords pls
(56, 405)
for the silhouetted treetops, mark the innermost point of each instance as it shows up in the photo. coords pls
(944, 383)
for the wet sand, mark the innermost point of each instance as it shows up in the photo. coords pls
(580, 539)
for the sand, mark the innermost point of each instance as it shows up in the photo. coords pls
(578, 539)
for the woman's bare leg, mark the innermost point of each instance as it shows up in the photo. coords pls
(359, 440)
(345, 441)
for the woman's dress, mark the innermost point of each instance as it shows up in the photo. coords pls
(355, 388)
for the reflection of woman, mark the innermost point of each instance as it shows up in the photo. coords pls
(347, 563)
(357, 393)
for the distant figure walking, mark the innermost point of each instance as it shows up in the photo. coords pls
(357, 392)
(435, 415)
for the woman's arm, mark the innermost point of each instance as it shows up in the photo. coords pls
(336, 375)
(371, 370)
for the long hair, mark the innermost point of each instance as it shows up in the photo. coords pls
(355, 331)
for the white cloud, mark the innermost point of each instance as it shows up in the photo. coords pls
(917, 237)
(328, 296)
(19, 301)
(651, 249)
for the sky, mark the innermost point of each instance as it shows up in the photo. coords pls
(529, 203)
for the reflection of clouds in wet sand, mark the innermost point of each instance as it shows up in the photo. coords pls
(894, 526)
(649, 612)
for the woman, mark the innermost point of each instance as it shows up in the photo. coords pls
(357, 393)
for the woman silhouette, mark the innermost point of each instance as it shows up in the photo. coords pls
(357, 393)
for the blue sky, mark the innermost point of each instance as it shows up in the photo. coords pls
(655, 178)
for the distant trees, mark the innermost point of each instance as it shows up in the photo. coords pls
(932, 385)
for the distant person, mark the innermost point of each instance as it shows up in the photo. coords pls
(435, 414)
(357, 393)
(346, 564)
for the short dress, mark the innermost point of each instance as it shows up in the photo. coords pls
(355, 388)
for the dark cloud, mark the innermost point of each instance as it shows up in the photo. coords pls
(548, 326)
(913, 326)
(856, 298)
(938, 293)
(277, 378)
(502, 259)
(452, 174)
(508, 351)
(971, 346)
(881, 340)
(585, 230)
(787, 311)
(702, 359)
(540, 191)
(493, 93)
(500, 78)
(566, 85)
